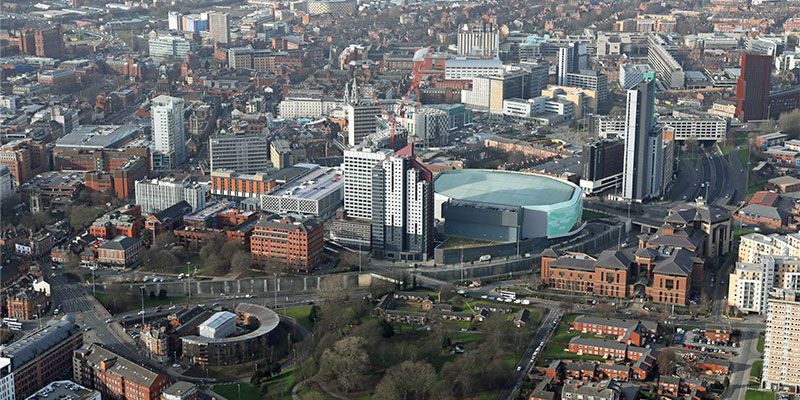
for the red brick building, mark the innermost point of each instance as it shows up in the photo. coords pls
(116, 377)
(625, 331)
(718, 333)
(598, 347)
(43, 355)
(124, 221)
(295, 243)
(166, 220)
(27, 304)
(46, 42)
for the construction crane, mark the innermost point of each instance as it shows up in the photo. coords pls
(416, 79)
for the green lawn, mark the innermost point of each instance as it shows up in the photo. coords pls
(281, 384)
(466, 337)
(758, 367)
(456, 242)
(758, 395)
(589, 215)
(301, 314)
(760, 343)
(238, 391)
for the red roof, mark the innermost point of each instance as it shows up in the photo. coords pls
(767, 199)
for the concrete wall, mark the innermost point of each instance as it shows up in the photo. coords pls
(256, 286)
(519, 267)
(453, 255)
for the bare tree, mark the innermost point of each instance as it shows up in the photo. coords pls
(346, 363)
(408, 380)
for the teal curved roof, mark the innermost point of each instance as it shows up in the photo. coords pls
(504, 187)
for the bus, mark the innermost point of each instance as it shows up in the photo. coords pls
(12, 323)
(506, 294)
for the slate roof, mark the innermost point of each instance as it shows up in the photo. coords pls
(585, 264)
(613, 259)
(680, 262)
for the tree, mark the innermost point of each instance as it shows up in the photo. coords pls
(162, 294)
(346, 363)
(408, 380)
(81, 216)
(313, 395)
(666, 361)
(217, 263)
(163, 240)
(152, 295)
(241, 261)
(790, 122)
(332, 289)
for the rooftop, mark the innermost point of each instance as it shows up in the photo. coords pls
(95, 137)
(504, 187)
(218, 319)
(64, 390)
(99, 357)
(316, 185)
(38, 341)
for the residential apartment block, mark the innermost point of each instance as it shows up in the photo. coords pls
(114, 376)
(782, 339)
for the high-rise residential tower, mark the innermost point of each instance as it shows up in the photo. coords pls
(168, 132)
(402, 208)
(641, 170)
(753, 86)
(219, 27)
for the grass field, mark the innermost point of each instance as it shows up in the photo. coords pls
(301, 314)
(760, 343)
(238, 391)
(281, 385)
(758, 367)
(758, 395)
(589, 215)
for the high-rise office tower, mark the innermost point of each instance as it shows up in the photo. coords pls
(357, 171)
(781, 341)
(572, 58)
(361, 120)
(480, 40)
(753, 86)
(602, 165)
(168, 132)
(641, 170)
(219, 27)
(402, 208)
(175, 21)
(247, 154)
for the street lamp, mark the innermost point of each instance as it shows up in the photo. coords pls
(276, 289)
(189, 281)
(94, 288)
(143, 288)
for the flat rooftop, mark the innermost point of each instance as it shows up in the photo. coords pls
(316, 185)
(503, 187)
(94, 137)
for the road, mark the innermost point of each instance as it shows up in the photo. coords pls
(740, 375)
(709, 175)
(542, 335)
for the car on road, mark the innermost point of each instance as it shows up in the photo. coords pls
(87, 329)
(110, 320)
(519, 367)
(176, 365)
(140, 312)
